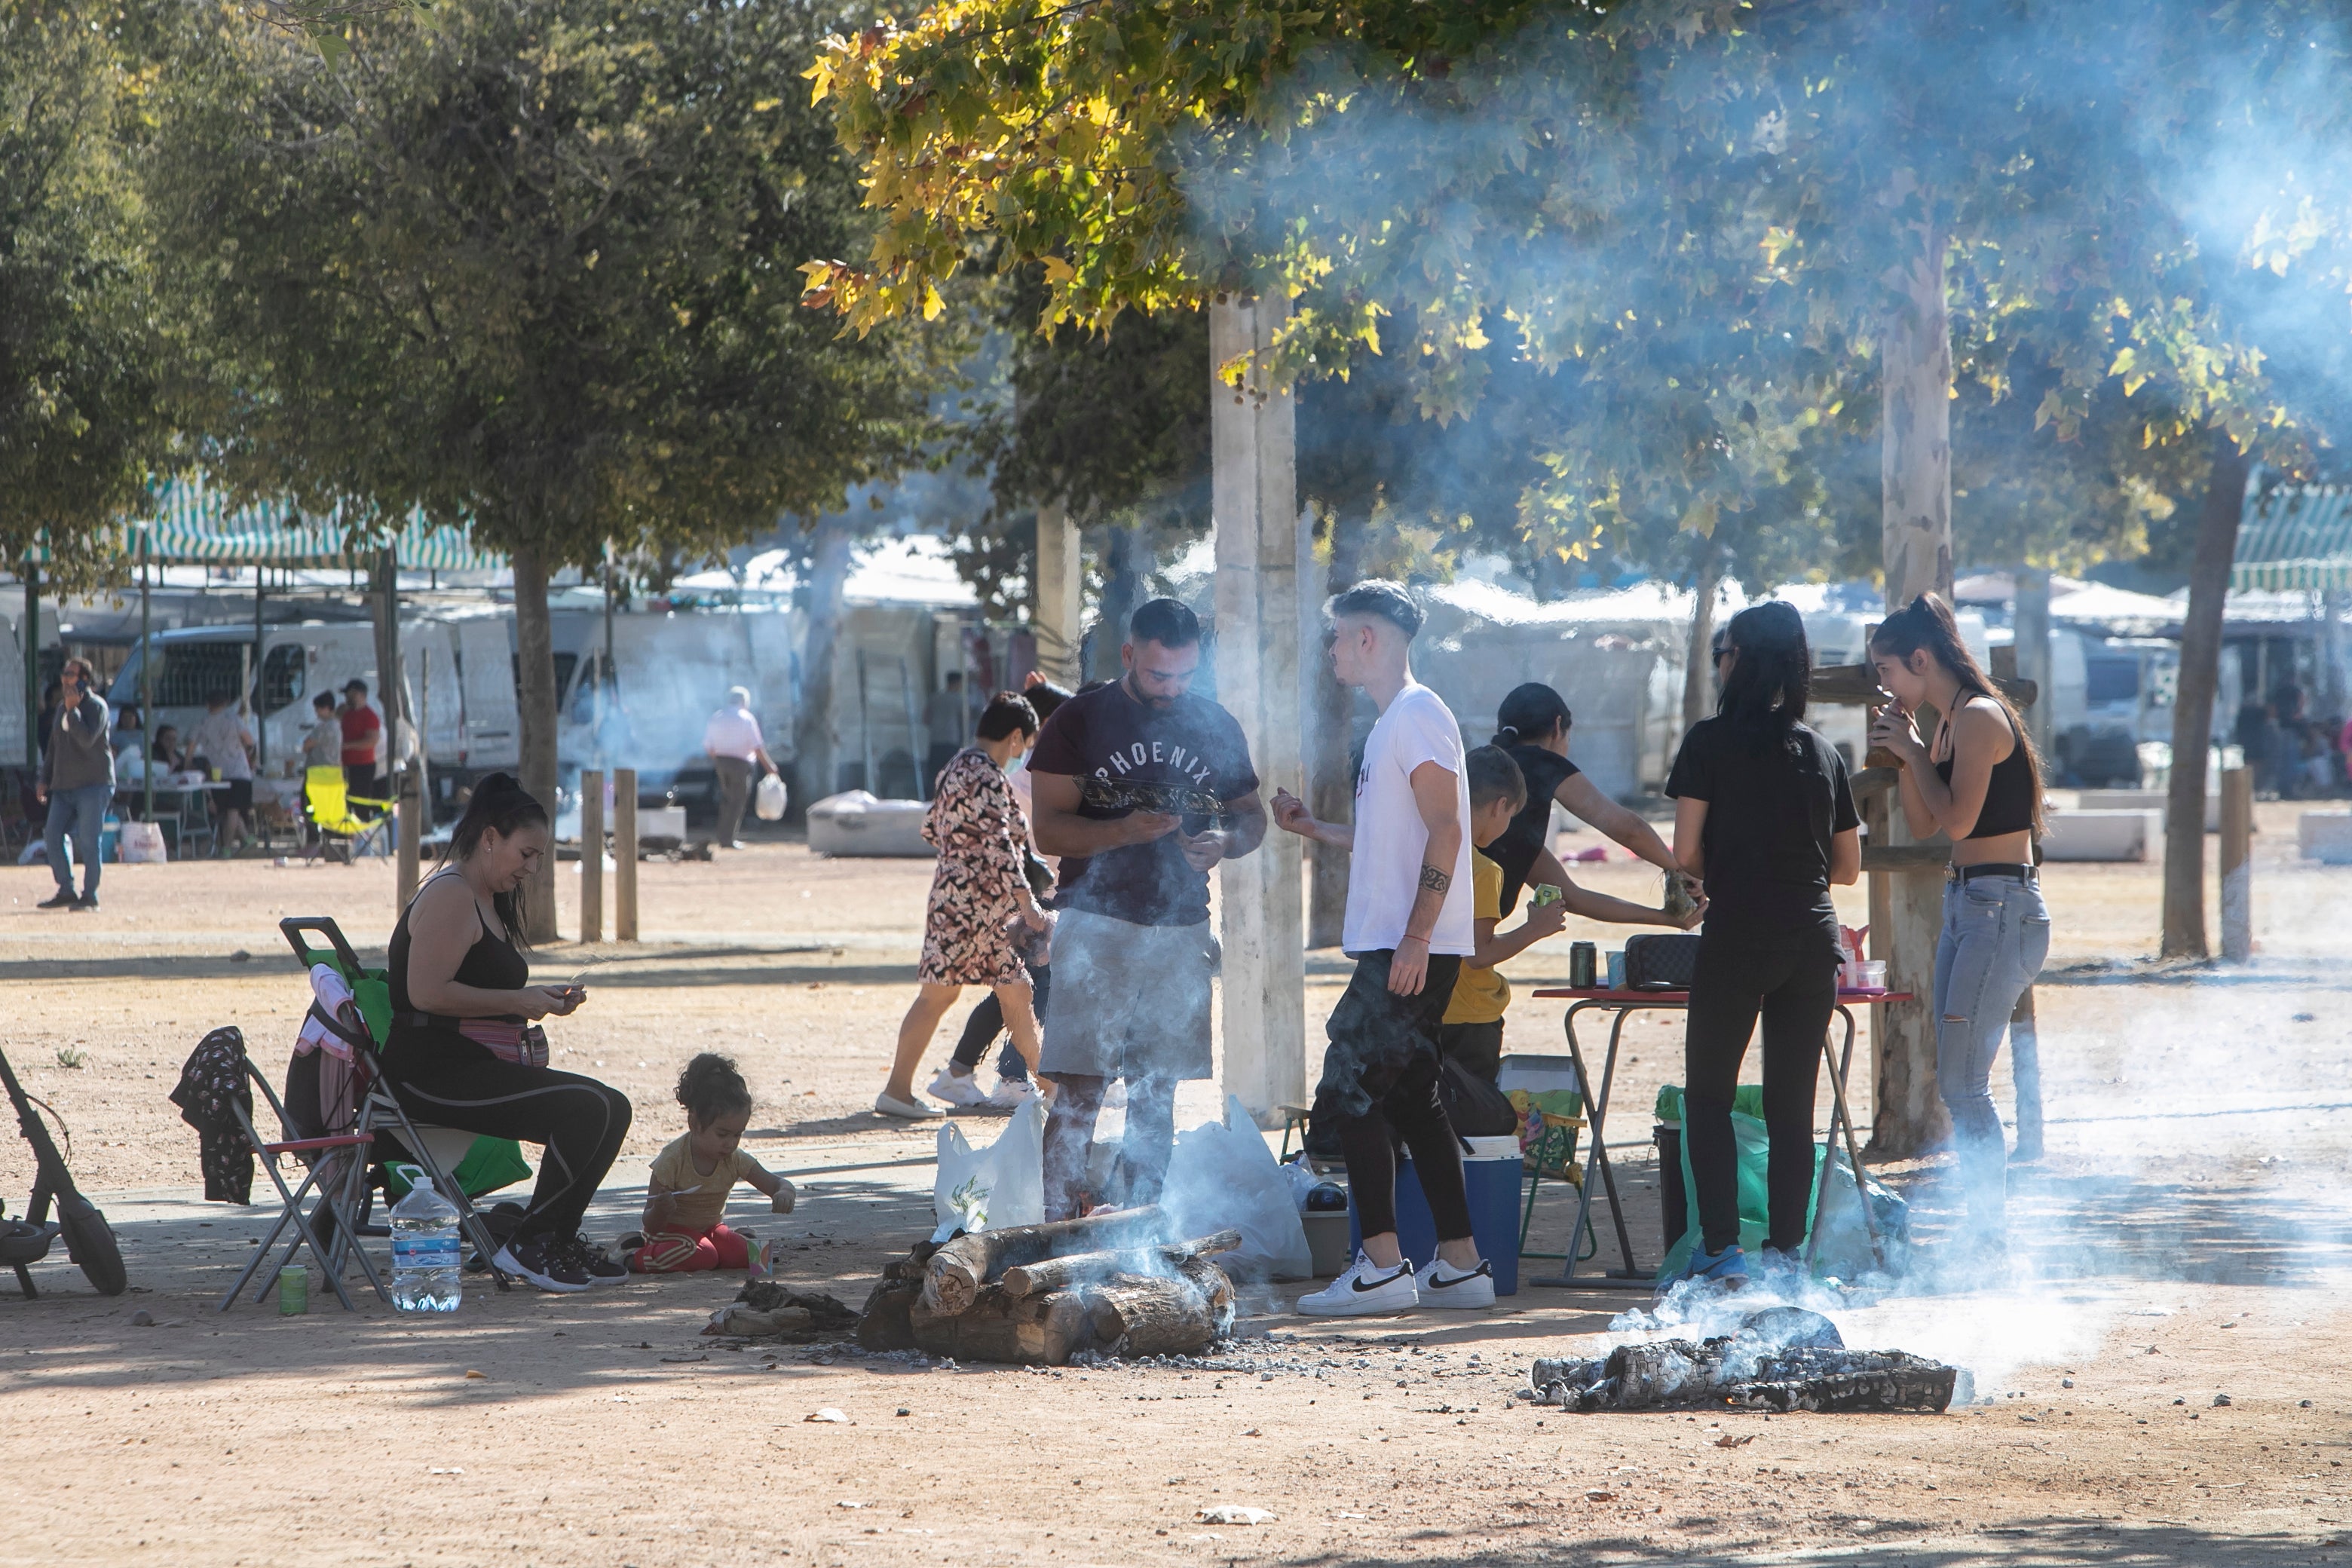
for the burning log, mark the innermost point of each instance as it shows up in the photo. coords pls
(1159, 1314)
(1078, 1267)
(955, 1272)
(1042, 1330)
(1781, 1360)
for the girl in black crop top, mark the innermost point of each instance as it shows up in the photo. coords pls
(1978, 781)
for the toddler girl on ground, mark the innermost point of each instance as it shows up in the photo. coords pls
(692, 1176)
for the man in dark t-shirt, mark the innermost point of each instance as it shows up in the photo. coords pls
(1124, 780)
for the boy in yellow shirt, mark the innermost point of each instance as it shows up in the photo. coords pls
(1472, 1031)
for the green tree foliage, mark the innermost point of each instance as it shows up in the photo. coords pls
(533, 265)
(1687, 215)
(79, 343)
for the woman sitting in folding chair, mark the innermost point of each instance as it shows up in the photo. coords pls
(463, 1052)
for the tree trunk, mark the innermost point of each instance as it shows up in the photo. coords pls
(1332, 790)
(1056, 595)
(815, 747)
(535, 697)
(1698, 669)
(1122, 591)
(2192, 706)
(1915, 540)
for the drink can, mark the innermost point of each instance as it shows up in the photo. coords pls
(1583, 959)
(1546, 895)
(293, 1290)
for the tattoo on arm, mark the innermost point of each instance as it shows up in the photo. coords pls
(1435, 880)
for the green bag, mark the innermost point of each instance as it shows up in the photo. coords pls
(489, 1165)
(1843, 1248)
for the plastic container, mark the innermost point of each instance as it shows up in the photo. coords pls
(1327, 1238)
(1616, 970)
(1865, 975)
(293, 1290)
(1490, 1172)
(425, 1254)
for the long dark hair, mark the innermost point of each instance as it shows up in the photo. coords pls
(1529, 713)
(1926, 623)
(1765, 694)
(499, 801)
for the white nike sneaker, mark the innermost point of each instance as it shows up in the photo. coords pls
(957, 1089)
(1468, 1291)
(1364, 1290)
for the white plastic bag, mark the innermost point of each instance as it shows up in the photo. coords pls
(988, 1189)
(141, 844)
(768, 802)
(1223, 1175)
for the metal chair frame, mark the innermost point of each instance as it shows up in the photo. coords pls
(343, 1200)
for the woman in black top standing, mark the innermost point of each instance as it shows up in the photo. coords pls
(1532, 724)
(460, 991)
(1763, 812)
(1980, 781)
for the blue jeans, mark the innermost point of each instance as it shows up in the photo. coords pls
(81, 812)
(1996, 934)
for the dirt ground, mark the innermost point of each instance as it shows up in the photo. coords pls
(2185, 1238)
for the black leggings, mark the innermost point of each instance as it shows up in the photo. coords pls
(446, 1080)
(1144, 1149)
(1789, 977)
(987, 1022)
(1383, 1050)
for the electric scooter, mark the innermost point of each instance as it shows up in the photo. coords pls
(89, 1240)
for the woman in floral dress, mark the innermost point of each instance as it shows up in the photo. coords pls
(979, 896)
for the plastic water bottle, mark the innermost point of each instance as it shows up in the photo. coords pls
(425, 1251)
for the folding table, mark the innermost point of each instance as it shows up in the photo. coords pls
(1621, 1003)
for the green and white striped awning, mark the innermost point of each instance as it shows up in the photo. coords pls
(191, 522)
(2294, 536)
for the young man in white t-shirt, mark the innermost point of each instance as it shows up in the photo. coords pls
(1409, 927)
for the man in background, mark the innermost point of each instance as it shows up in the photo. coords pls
(77, 780)
(362, 745)
(733, 743)
(225, 744)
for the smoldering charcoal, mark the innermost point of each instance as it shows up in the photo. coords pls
(1783, 1359)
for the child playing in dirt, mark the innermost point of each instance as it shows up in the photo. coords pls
(1472, 1031)
(693, 1175)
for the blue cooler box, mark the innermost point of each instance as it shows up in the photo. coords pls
(1491, 1172)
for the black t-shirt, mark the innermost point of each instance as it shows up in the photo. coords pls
(1770, 815)
(1109, 734)
(1529, 833)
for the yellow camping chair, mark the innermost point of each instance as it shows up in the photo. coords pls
(343, 834)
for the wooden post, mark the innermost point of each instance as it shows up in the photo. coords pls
(1915, 539)
(2237, 872)
(2032, 650)
(1057, 597)
(408, 797)
(624, 854)
(1252, 439)
(591, 854)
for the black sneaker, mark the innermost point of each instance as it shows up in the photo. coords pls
(598, 1265)
(63, 899)
(545, 1261)
(87, 901)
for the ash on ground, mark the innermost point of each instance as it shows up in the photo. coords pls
(1780, 1359)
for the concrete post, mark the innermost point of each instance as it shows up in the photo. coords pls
(1915, 498)
(591, 854)
(1057, 597)
(2237, 871)
(624, 854)
(1253, 434)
